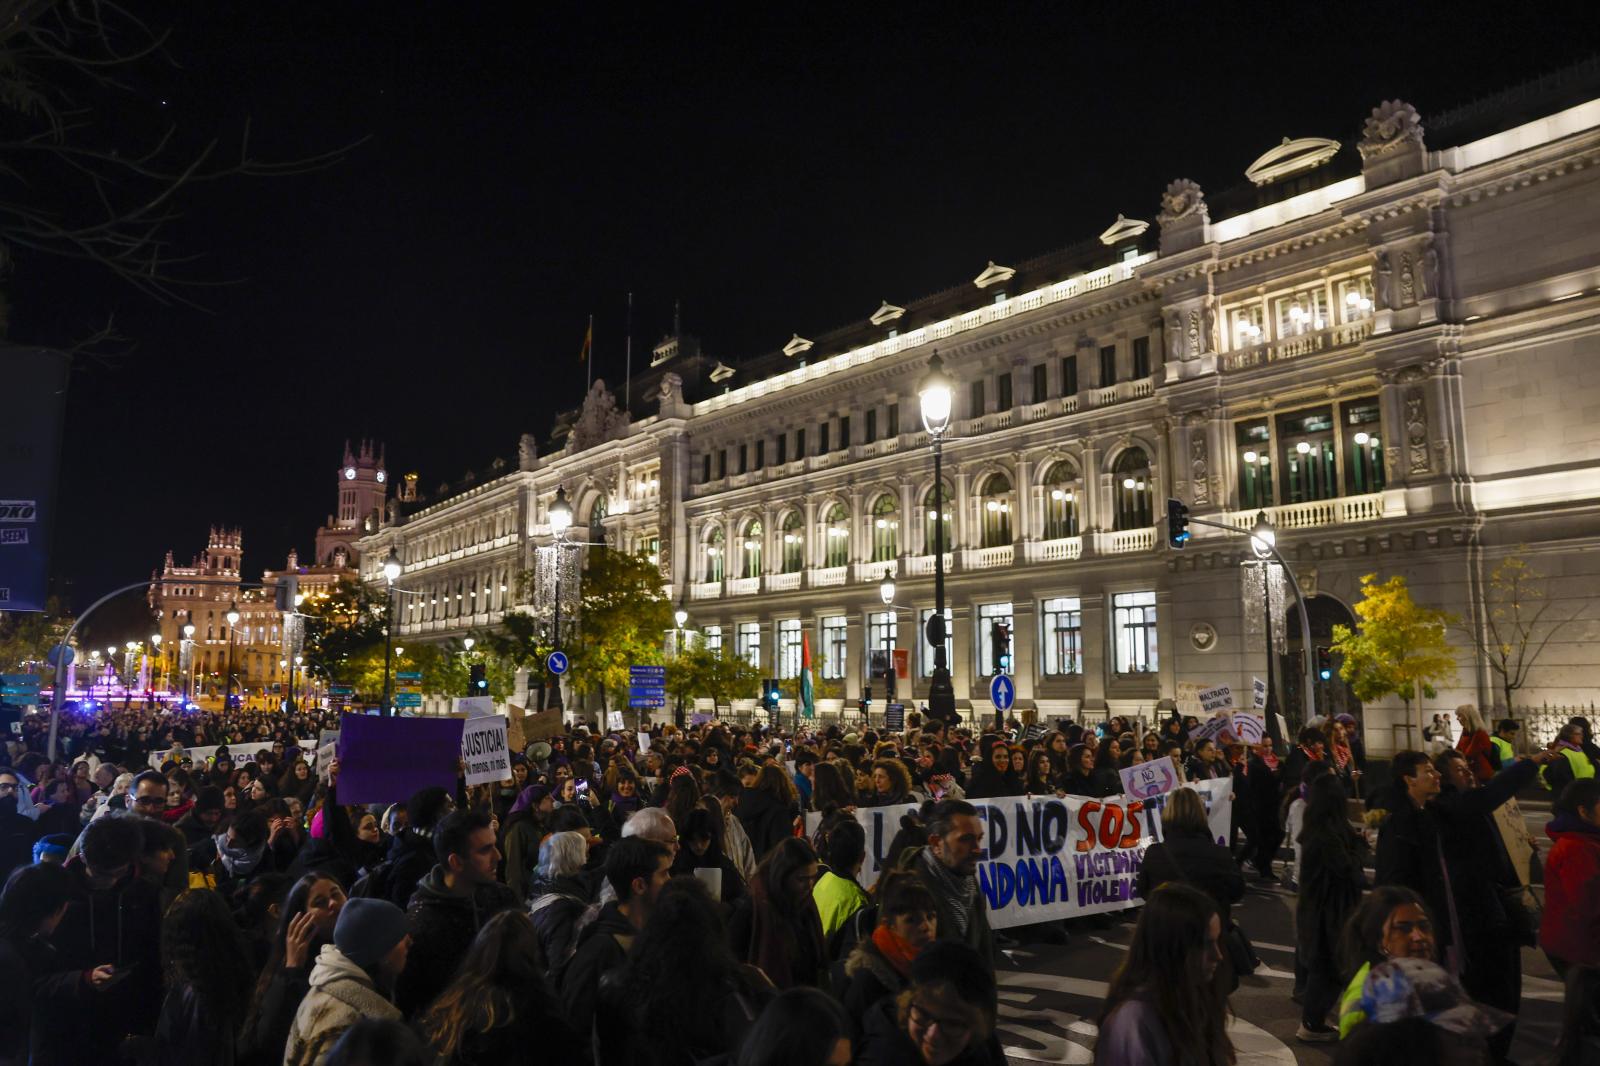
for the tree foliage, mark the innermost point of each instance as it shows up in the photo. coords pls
(1514, 617)
(344, 635)
(622, 619)
(27, 636)
(1399, 648)
(718, 674)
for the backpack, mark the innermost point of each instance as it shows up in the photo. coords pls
(377, 883)
(856, 928)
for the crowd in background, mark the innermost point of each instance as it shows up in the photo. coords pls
(668, 902)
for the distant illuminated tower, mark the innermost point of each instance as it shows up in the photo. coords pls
(363, 487)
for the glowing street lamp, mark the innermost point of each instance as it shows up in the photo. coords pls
(934, 393)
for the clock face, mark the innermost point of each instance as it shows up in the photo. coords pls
(349, 473)
(381, 477)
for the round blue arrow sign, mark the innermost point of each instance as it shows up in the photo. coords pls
(1002, 692)
(557, 662)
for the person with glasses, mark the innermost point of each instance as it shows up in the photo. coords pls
(147, 798)
(945, 1018)
(17, 831)
(1391, 923)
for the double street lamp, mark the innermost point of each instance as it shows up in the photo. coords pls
(934, 394)
(186, 662)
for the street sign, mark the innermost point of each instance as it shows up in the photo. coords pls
(647, 701)
(341, 690)
(556, 662)
(1002, 692)
(647, 671)
(647, 686)
(408, 675)
(62, 652)
(20, 688)
(408, 699)
(894, 717)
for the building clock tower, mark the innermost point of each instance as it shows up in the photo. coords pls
(363, 485)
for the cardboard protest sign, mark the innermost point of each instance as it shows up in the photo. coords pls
(1258, 694)
(327, 748)
(1214, 728)
(484, 750)
(1217, 699)
(1149, 779)
(644, 743)
(543, 725)
(1188, 701)
(1049, 858)
(514, 737)
(614, 720)
(386, 760)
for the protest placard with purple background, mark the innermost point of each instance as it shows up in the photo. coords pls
(385, 760)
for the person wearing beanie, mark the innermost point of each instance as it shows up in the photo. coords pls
(522, 830)
(351, 980)
(202, 821)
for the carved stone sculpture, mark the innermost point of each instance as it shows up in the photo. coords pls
(1428, 276)
(1382, 283)
(1174, 333)
(1392, 124)
(670, 390)
(1417, 431)
(1197, 468)
(599, 420)
(1408, 284)
(527, 452)
(1182, 199)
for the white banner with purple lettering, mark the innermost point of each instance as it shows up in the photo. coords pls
(1049, 858)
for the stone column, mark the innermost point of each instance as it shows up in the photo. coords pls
(810, 532)
(910, 520)
(855, 644)
(1024, 642)
(769, 539)
(858, 548)
(1096, 652)
(1022, 522)
(960, 648)
(961, 526)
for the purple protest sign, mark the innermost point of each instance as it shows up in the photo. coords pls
(385, 760)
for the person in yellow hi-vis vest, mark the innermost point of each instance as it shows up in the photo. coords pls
(1504, 742)
(1576, 763)
(1391, 923)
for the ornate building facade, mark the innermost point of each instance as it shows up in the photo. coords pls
(1390, 348)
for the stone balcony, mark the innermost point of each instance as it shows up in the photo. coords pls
(1299, 346)
(1312, 514)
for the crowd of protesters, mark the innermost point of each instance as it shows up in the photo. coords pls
(671, 903)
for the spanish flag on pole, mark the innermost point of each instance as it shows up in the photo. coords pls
(808, 703)
(588, 342)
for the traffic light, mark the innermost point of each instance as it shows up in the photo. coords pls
(1324, 662)
(479, 683)
(1000, 641)
(285, 592)
(1177, 523)
(769, 695)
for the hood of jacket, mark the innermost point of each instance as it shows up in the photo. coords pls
(865, 956)
(335, 975)
(1567, 824)
(432, 891)
(610, 920)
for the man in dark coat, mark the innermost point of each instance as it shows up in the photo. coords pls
(450, 905)
(17, 831)
(1444, 846)
(948, 866)
(637, 869)
(114, 918)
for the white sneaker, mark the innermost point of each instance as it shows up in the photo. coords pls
(1322, 1034)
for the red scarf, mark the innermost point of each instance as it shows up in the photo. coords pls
(1341, 755)
(895, 948)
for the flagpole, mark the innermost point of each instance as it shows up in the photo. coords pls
(589, 361)
(627, 388)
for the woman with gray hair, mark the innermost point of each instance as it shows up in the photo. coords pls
(558, 895)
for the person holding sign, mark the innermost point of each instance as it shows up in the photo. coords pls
(1187, 854)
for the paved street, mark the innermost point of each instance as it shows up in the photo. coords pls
(1049, 994)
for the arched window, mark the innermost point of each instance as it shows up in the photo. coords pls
(794, 543)
(994, 510)
(836, 536)
(597, 513)
(750, 549)
(1133, 489)
(714, 546)
(936, 514)
(885, 528)
(1062, 492)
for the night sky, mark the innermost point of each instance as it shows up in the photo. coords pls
(775, 169)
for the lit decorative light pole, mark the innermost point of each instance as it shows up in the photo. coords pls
(934, 394)
(158, 654)
(680, 618)
(186, 661)
(227, 689)
(1263, 538)
(392, 569)
(560, 515)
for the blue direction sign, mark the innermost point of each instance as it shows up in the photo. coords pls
(647, 701)
(408, 699)
(408, 675)
(556, 662)
(647, 686)
(1002, 692)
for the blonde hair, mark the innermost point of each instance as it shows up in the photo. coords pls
(1474, 720)
(1184, 810)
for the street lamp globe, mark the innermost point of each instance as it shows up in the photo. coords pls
(1263, 536)
(886, 588)
(188, 631)
(399, 652)
(468, 643)
(132, 644)
(934, 394)
(155, 639)
(233, 614)
(680, 616)
(283, 664)
(299, 659)
(111, 652)
(392, 567)
(560, 512)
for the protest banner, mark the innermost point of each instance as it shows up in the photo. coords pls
(1147, 780)
(484, 750)
(1216, 699)
(514, 737)
(1216, 727)
(386, 760)
(543, 725)
(1188, 700)
(1258, 694)
(1249, 727)
(614, 720)
(644, 743)
(1050, 858)
(240, 753)
(327, 747)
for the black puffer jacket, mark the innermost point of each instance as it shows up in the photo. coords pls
(766, 820)
(443, 925)
(556, 906)
(1198, 860)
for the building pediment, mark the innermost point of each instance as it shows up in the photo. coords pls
(722, 372)
(1291, 157)
(1123, 229)
(886, 312)
(993, 275)
(796, 345)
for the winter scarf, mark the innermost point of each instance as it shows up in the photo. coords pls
(957, 892)
(239, 862)
(895, 949)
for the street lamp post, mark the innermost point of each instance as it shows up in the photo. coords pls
(934, 394)
(187, 652)
(160, 656)
(295, 668)
(1263, 537)
(392, 568)
(680, 617)
(227, 688)
(560, 521)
